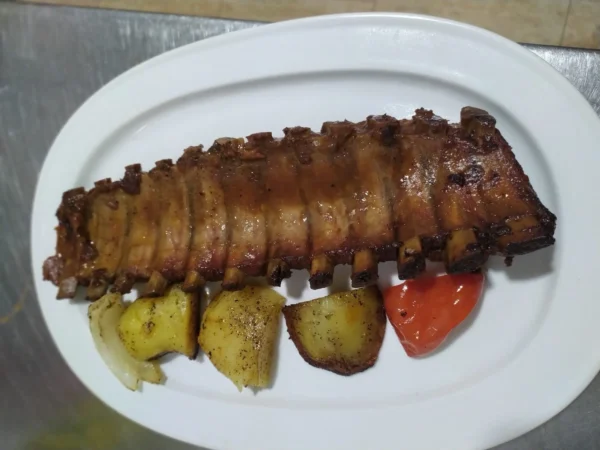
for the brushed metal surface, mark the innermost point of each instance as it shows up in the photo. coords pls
(51, 60)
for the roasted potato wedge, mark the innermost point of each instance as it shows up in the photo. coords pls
(238, 333)
(104, 315)
(341, 332)
(151, 327)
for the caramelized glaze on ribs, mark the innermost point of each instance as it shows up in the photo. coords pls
(378, 190)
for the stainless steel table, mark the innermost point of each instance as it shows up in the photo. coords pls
(51, 60)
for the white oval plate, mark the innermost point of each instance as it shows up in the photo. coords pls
(527, 351)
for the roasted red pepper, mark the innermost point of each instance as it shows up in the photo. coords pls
(425, 310)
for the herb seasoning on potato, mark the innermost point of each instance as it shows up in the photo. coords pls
(238, 334)
(153, 326)
(341, 332)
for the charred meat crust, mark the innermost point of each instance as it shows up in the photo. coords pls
(356, 193)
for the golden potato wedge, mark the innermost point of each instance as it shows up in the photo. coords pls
(104, 315)
(238, 333)
(151, 327)
(341, 332)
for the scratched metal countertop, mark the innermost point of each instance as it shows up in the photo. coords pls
(51, 60)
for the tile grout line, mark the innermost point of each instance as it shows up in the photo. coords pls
(564, 29)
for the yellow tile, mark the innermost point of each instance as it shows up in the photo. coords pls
(274, 10)
(531, 21)
(583, 24)
(191, 7)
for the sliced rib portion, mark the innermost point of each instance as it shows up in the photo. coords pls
(208, 246)
(243, 185)
(108, 228)
(415, 172)
(328, 216)
(72, 246)
(143, 235)
(459, 210)
(362, 158)
(286, 215)
(349, 186)
(518, 222)
(373, 144)
(174, 227)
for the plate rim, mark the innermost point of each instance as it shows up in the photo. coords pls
(199, 46)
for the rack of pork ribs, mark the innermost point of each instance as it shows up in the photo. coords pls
(355, 193)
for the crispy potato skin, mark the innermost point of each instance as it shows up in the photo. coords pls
(151, 327)
(341, 332)
(238, 334)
